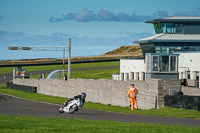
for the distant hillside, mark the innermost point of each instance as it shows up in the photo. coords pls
(130, 51)
(122, 52)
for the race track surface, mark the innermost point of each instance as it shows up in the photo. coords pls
(15, 106)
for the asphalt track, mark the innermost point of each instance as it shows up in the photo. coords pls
(16, 106)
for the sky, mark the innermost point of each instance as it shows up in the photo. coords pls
(94, 26)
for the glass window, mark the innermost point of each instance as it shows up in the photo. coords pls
(190, 48)
(175, 48)
(165, 49)
(181, 25)
(158, 49)
(198, 48)
(193, 48)
(158, 28)
(170, 28)
(164, 63)
(155, 63)
(185, 48)
(173, 63)
(178, 28)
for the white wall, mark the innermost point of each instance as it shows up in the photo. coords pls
(132, 69)
(189, 61)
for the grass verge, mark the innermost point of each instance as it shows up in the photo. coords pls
(30, 124)
(167, 111)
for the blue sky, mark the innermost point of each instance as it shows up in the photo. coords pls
(95, 26)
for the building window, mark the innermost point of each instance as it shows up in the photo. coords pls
(173, 63)
(193, 48)
(190, 48)
(179, 28)
(185, 48)
(158, 28)
(155, 63)
(164, 63)
(162, 49)
(173, 49)
(168, 28)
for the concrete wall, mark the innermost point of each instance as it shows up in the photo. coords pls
(151, 94)
(191, 91)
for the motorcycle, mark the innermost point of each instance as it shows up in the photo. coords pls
(70, 106)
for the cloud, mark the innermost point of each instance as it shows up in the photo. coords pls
(195, 12)
(60, 39)
(105, 15)
(161, 13)
(86, 15)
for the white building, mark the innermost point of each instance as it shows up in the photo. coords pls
(173, 53)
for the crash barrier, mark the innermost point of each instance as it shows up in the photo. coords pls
(104, 91)
(183, 101)
(22, 87)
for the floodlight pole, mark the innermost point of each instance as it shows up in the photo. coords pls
(69, 59)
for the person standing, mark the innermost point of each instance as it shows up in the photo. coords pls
(132, 93)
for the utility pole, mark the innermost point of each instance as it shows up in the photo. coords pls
(69, 59)
(63, 63)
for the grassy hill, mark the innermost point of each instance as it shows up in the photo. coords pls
(122, 52)
(132, 51)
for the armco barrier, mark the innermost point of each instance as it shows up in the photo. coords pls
(22, 87)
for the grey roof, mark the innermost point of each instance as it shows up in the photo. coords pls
(176, 19)
(162, 37)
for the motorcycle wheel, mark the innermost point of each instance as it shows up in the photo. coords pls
(61, 110)
(72, 109)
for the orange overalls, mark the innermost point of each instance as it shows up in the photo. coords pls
(132, 92)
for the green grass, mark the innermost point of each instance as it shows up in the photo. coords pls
(95, 74)
(167, 111)
(32, 96)
(90, 74)
(30, 124)
(55, 67)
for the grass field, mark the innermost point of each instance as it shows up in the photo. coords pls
(29, 124)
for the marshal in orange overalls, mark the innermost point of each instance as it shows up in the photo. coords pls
(132, 92)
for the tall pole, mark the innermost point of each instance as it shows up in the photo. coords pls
(63, 63)
(69, 59)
